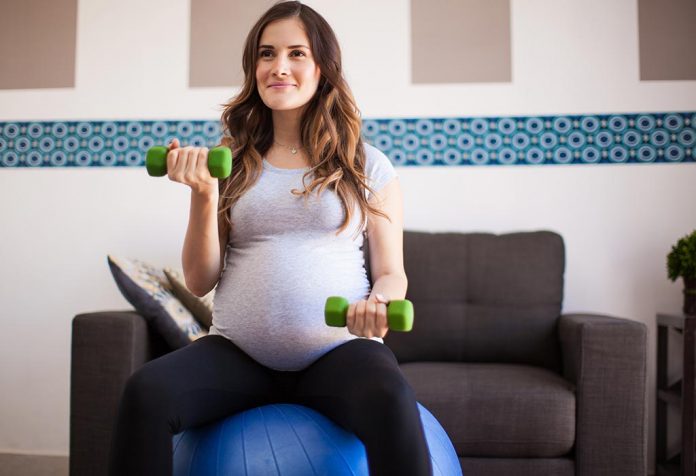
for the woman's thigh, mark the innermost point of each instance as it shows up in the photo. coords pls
(199, 383)
(360, 386)
(357, 380)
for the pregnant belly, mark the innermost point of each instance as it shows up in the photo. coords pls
(270, 300)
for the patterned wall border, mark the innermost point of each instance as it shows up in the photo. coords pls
(538, 140)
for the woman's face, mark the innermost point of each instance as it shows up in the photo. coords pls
(286, 74)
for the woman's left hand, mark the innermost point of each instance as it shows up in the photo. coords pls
(368, 318)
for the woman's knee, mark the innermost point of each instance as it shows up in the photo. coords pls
(144, 391)
(389, 395)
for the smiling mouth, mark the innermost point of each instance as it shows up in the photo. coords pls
(281, 86)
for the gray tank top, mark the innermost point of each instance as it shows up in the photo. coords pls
(283, 259)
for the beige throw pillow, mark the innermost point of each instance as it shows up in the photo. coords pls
(200, 307)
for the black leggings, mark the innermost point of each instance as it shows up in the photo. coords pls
(358, 385)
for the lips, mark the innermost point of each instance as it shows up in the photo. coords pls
(281, 85)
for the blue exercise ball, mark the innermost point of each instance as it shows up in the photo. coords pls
(290, 440)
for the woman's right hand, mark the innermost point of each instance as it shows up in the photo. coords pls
(189, 165)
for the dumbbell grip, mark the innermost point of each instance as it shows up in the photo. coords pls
(399, 313)
(219, 161)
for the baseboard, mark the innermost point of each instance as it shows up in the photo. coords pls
(23, 464)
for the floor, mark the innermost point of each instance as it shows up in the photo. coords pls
(31, 465)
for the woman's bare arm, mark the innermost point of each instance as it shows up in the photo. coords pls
(386, 243)
(203, 252)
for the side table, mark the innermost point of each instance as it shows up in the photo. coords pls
(680, 394)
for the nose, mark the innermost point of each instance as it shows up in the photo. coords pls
(280, 66)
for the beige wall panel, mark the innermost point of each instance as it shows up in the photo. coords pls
(37, 43)
(460, 41)
(667, 36)
(218, 31)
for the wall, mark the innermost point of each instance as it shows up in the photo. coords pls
(571, 57)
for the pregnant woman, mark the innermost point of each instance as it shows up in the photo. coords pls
(277, 237)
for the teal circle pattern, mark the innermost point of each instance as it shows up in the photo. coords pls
(544, 140)
(96, 144)
(642, 138)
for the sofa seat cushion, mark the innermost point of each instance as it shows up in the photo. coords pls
(498, 410)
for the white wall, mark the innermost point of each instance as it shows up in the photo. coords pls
(569, 57)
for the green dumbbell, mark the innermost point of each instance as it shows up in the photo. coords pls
(219, 161)
(399, 313)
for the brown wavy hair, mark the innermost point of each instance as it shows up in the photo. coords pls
(330, 125)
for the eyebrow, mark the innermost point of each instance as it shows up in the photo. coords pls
(293, 46)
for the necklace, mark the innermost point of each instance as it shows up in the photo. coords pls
(293, 150)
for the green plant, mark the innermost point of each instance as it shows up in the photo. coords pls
(681, 261)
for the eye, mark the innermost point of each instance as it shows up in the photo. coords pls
(300, 52)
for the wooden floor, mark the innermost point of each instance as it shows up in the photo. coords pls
(31, 465)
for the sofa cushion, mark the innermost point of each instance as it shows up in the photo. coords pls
(200, 307)
(498, 410)
(480, 297)
(148, 290)
(518, 466)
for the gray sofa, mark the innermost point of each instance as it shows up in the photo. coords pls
(519, 388)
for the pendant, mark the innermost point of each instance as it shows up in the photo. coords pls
(293, 150)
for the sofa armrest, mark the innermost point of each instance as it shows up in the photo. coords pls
(107, 347)
(606, 358)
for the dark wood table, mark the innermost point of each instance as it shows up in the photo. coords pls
(679, 394)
